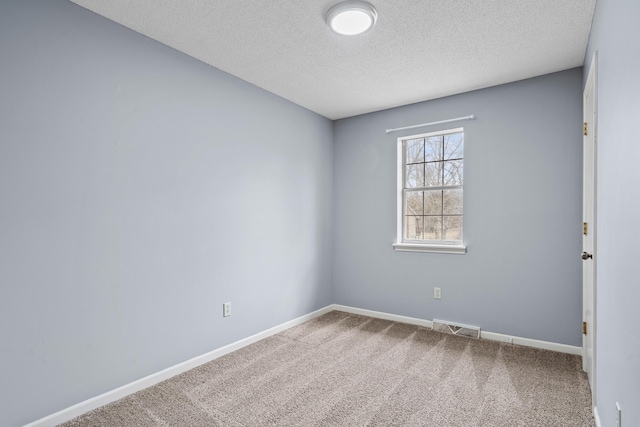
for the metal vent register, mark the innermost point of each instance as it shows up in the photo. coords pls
(456, 329)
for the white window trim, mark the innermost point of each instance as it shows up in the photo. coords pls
(430, 247)
(442, 247)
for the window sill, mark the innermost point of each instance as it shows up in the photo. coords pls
(441, 249)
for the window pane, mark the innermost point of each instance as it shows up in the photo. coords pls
(453, 172)
(432, 191)
(433, 174)
(414, 175)
(433, 148)
(453, 145)
(414, 149)
(432, 227)
(433, 202)
(413, 202)
(414, 227)
(452, 200)
(452, 227)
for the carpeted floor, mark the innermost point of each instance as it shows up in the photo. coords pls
(347, 370)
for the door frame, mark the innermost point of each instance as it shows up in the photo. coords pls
(589, 293)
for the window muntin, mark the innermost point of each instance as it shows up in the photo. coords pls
(432, 187)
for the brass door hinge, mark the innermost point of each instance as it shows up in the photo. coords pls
(585, 128)
(585, 228)
(584, 328)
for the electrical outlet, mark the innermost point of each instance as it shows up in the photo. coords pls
(436, 293)
(226, 309)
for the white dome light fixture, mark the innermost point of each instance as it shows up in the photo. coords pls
(350, 18)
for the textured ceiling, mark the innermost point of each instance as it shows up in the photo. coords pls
(418, 50)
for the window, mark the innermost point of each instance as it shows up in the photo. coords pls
(430, 189)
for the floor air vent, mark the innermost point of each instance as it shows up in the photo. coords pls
(456, 329)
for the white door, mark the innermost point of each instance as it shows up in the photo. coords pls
(589, 227)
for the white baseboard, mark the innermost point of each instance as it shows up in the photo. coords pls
(381, 315)
(127, 389)
(596, 417)
(546, 345)
(562, 348)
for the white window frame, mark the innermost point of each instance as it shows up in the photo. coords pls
(449, 247)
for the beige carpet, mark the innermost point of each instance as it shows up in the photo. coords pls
(346, 370)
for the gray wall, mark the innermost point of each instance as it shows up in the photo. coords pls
(614, 35)
(522, 206)
(139, 190)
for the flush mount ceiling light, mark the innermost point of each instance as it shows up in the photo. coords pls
(350, 18)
